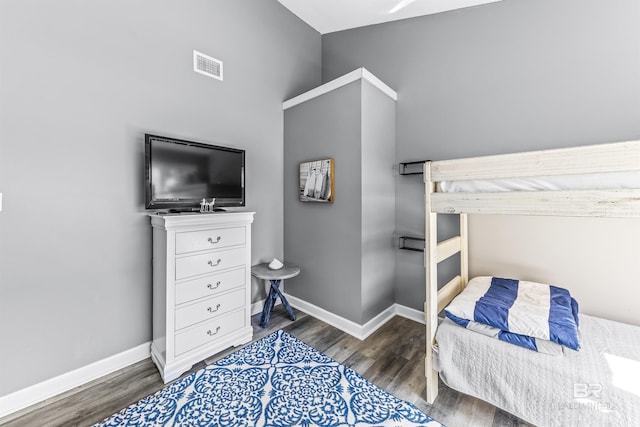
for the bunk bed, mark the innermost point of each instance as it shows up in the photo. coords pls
(541, 389)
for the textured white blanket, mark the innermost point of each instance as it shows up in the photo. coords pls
(596, 386)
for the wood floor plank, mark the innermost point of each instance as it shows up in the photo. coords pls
(385, 368)
(445, 406)
(343, 348)
(504, 419)
(409, 383)
(359, 362)
(392, 358)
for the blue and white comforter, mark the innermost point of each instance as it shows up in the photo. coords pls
(532, 315)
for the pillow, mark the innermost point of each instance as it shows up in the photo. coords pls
(519, 307)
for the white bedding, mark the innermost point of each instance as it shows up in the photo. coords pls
(596, 386)
(593, 181)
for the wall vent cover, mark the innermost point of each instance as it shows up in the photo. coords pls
(204, 64)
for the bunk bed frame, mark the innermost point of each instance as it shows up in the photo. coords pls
(622, 203)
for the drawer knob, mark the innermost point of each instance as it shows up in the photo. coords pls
(216, 241)
(210, 333)
(213, 287)
(213, 310)
(216, 264)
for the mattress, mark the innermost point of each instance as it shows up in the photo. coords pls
(592, 181)
(598, 385)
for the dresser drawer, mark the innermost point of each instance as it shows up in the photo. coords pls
(209, 331)
(209, 308)
(193, 241)
(210, 285)
(209, 262)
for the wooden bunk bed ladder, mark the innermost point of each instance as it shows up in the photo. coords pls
(436, 301)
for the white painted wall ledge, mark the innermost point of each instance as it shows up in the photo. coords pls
(360, 73)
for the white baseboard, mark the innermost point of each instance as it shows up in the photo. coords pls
(339, 322)
(410, 313)
(378, 321)
(352, 328)
(37, 393)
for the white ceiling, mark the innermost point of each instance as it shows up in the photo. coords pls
(327, 16)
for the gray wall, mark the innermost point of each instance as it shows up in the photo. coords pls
(378, 200)
(504, 77)
(344, 249)
(325, 239)
(80, 84)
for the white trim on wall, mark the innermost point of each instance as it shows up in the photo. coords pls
(345, 325)
(360, 73)
(382, 86)
(410, 313)
(37, 393)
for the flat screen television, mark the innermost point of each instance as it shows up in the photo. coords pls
(179, 174)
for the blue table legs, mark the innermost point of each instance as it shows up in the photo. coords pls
(274, 293)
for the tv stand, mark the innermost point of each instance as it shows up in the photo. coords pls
(219, 210)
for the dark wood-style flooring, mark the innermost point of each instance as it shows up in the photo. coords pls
(392, 358)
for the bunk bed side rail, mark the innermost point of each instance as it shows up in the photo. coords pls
(611, 157)
(598, 203)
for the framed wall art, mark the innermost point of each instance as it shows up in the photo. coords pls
(317, 181)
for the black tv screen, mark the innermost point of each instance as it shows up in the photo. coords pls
(179, 174)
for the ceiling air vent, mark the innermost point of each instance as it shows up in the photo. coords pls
(207, 65)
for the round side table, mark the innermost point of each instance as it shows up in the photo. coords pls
(263, 272)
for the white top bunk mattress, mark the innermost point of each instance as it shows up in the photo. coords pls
(597, 386)
(591, 181)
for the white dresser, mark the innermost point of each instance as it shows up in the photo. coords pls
(201, 287)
